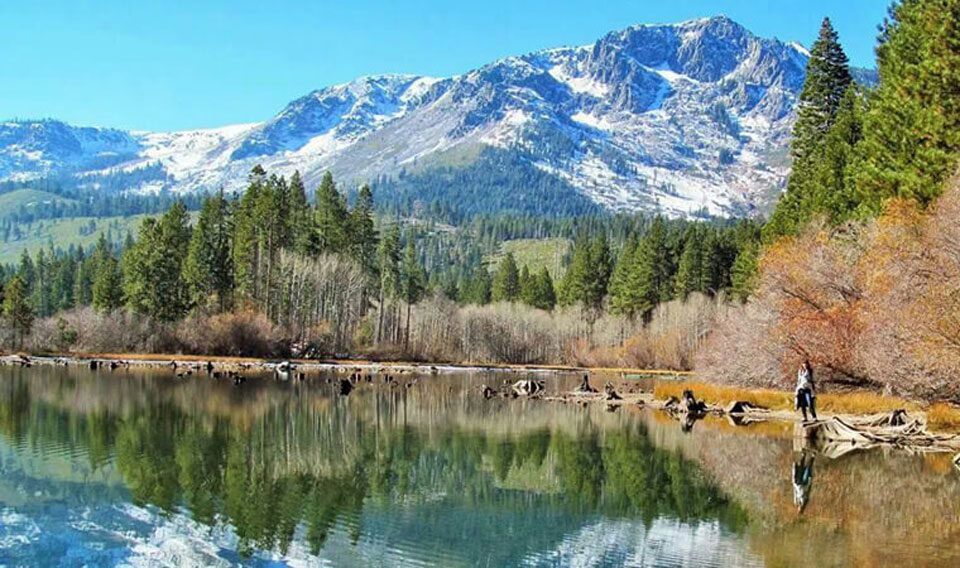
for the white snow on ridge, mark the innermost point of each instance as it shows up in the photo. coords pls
(579, 84)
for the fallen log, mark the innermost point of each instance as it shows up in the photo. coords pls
(895, 429)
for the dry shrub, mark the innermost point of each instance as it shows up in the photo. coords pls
(670, 340)
(96, 332)
(743, 349)
(440, 330)
(875, 306)
(239, 334)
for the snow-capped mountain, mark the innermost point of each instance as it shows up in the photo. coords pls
(681, 118)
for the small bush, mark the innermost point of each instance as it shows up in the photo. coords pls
(240, 334)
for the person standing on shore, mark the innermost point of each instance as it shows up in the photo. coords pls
(806, 394)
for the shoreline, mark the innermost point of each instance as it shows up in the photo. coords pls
(160, 359)
(764, 405)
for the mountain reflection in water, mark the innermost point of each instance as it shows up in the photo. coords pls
(136, 467)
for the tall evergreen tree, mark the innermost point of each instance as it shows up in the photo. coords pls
(625, 298)
(42, 292)
(208, 268)
(17, 310)
(911, 132)
(506, 281)
(83, 279)
(744, 273)
(827, 80)
(690, 271)
(413, 282)
(363, 234)
(388, 261)
(304, 233)
(654, 271)
(331, 217)
(152, 268)
(476, 287)
(543, 295)
(247, 251)
(107, 289)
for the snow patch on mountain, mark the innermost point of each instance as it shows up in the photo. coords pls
(685, 119)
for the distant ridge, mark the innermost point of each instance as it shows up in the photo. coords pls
(686, 119)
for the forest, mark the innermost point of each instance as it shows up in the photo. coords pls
(856, 269)
(274, 273)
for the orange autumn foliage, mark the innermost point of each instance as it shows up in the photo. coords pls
(874, 305)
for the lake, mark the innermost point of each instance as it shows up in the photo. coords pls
(137, 467)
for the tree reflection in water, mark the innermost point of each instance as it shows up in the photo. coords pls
(279, 460)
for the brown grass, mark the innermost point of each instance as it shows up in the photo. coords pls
(835, 403)
(722, 395)
(943, 416)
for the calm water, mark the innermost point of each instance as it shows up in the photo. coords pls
(133, 467)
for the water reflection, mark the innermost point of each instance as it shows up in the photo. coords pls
(105, 468)
(432, 472)
(802, 479)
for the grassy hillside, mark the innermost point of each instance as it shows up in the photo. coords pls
(11, 201)
(535, 254)
(63, 232)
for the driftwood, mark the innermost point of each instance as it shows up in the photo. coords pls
(894, 429)
(528, 387)
(742, 407)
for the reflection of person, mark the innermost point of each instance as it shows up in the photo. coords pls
(806, 394)
(802, 480)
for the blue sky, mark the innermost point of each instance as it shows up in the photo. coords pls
(189, 64)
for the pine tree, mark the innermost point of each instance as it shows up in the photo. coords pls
(527, 291)
(17, 309)
(476, 288)
(363, 234)
(64, 274)
(208, 268)
(107, 290)
(26, 271)
(544, 296)
(331, 217)
(715, 272)
(911, 131)
(834, 189)
(246, 253)
(625, 296)
(690, 271)
(152, 276)
(83, 279)
(42, 294)
(388, 261)
(654, 275)
(506, 281)
(827, 80)
(601, 267)
(304, 233)
(745, 272)
(413, 282)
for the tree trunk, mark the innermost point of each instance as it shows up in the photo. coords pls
(406, 334)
